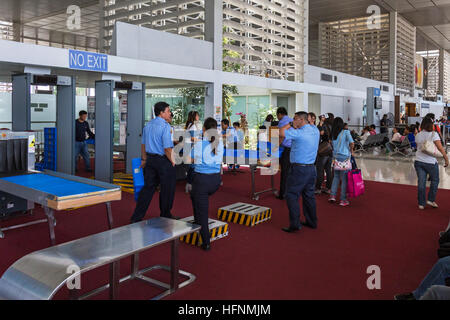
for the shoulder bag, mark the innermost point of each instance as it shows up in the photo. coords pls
(429, 148)
(325, 147)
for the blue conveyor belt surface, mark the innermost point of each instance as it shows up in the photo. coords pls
(53, 185)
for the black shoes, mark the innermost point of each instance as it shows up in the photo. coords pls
(308, 225)
(88, 170)
(405, 296)
(206, 247)
(280, 198)
(290, 230)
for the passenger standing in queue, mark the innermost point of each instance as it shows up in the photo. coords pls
(158, 163)
(343, 146)
(302, 177)
(207, 155)
(284, 119)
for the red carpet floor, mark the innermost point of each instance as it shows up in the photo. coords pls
(383, 227)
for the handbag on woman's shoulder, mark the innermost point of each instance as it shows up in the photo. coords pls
(429, 148)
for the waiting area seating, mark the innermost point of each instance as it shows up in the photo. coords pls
(371, 142)
(39, 275)
(404, 148)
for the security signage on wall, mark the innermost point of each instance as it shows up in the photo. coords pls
(218, 114)
(91, 61)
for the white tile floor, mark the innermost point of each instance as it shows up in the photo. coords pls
(399, 171)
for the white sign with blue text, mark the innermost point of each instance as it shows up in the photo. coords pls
(91, 61)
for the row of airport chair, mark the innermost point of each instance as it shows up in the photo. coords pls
(403, 148)
(372, 141)
(379, 140)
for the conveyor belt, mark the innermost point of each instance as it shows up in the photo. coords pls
(53, 185)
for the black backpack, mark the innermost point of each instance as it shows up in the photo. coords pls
(445, 237)
(444, 245)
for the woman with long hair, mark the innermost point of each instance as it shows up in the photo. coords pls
(312, 118)
(207, 154)
(193, 121)
(323, 162)
(427, 164)
(342, 152)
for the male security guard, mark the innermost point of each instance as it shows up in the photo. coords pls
(302, 177)
(158, 163)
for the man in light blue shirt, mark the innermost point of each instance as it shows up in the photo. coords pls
(283, 120)
(158, 163)
(302, 177)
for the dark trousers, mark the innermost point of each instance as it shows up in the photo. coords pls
(81, 147)
(203, 185)
(301, 182)
(158, 171)
(323, 164)
(285, 165)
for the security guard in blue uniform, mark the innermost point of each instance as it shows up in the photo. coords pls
(302, 176)
(207, 155)
(158, 163)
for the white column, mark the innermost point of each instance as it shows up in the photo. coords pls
(393, 50)
(213, 101)
(214, 29)
(441, 72)
(301, 101)
(305, 40)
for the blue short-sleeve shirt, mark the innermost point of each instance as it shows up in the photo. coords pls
(157, 136)
(305, 143)
(205, 160)
(284, 121)
(341, 149)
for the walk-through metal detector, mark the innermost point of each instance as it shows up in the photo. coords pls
(65, 113)
(104, 125)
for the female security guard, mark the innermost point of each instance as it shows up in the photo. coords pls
(207, 155)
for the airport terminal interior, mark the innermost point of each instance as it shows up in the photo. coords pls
(225, 149)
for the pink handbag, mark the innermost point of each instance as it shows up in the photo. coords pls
(355, 183)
